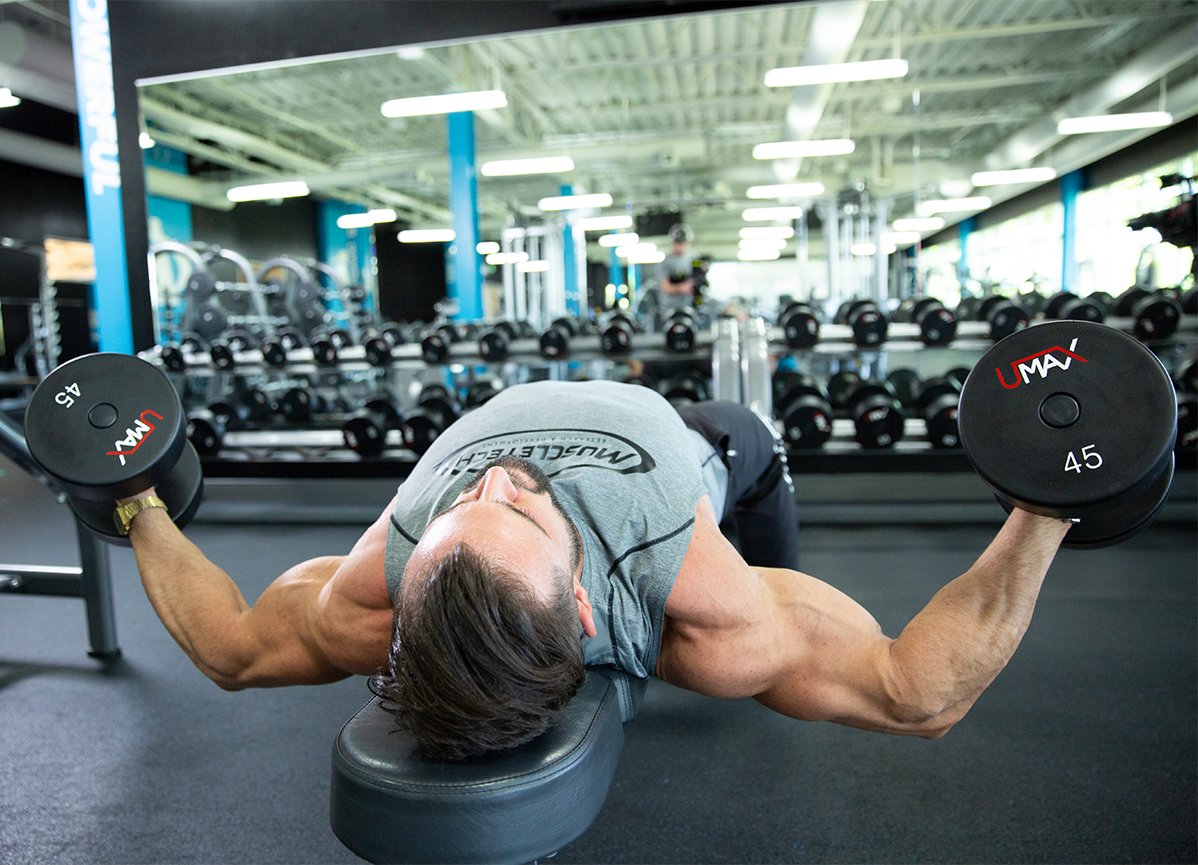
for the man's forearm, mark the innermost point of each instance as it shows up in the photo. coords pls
(197, 602)
(955, 647)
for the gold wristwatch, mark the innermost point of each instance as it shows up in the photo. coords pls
(124, 514)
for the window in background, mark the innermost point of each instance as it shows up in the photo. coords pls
(1111, 257)
(1021, 254)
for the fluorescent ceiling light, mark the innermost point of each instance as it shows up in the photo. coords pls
(763, 214)
(952, 205)
(623, 239)
(785, 190)
(758, 254)
(355, 220)
(864, 249)
(800, 149)
(901, 237)
(575, 202)
(918, 223)
(532, 266)
(145, 141)
(832, 73)
(538, 165)
(268, 191)
(367, 219)
(784, 231)
(636, 249)
(653, 257)
(1013, 175)
(7, 100)
(498, 258)
(444, 103)
(1114, 122)
(762, 243)
(426, 235)
(604, 223)
(486, 247)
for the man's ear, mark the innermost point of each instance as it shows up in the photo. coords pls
(585, 613)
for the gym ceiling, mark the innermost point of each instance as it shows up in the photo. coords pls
(663, 113)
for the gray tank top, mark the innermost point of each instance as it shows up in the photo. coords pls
(626, 471)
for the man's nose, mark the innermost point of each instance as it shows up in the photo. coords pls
(497, 486)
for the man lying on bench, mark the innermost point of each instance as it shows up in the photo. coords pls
(571, 524)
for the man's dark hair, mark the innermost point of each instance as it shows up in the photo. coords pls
(478, 662)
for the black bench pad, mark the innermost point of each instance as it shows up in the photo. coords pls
(389, 804)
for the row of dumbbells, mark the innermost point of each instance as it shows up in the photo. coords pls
(616, 335)
(364, 422)
(878, 409)
(1185, 381)
(1153, 315)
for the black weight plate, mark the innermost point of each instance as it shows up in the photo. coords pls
(905, 384)
(378, 350)
(1187, 422)
(937, 326)
(1005, 319)
(106, 425)
(200, 286)
(1126, 417)
(492, 345)
(869, 326)
(840, 386)
(555, 343)
(806, 423)
(434, 348)
(365, 433)
(987, 305)
(680, 334)
(879, 422)
(1127, 301)
(1057, 303)
(1156, 318)
(800, 327)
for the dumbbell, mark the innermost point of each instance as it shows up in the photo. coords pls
(1155, 315)
(365, 431)
(800, 324)
(105, 426)
(433, 414)
(685, 388)
(481, 392)
(958, 374)
(206, 427)
(223, 350)
(1050, 433)
(937, 324)
(803, 407)
(1187, 421)
(435, 344)
(936, 402)
(493, 343)
(1186, 377)
(555, 341)
(681, 330)
(877, 416)
(174, 354)
(276, 347)
(1067, 306)
(616, 336)
(326, 344)
(905, 384)
(1003, 316)
(867, 321)
(841, 386)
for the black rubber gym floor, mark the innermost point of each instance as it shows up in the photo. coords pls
(1084, 750)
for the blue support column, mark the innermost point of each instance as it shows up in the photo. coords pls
(1071, 187)
(965, 228)
(615, 272)
(569, 261)
(101, 172)
(466, 282)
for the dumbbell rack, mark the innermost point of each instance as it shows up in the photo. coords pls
(316, 452)
(91, 581)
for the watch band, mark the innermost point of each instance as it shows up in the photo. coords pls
(124, 514)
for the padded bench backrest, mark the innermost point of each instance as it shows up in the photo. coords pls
(389, 804)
